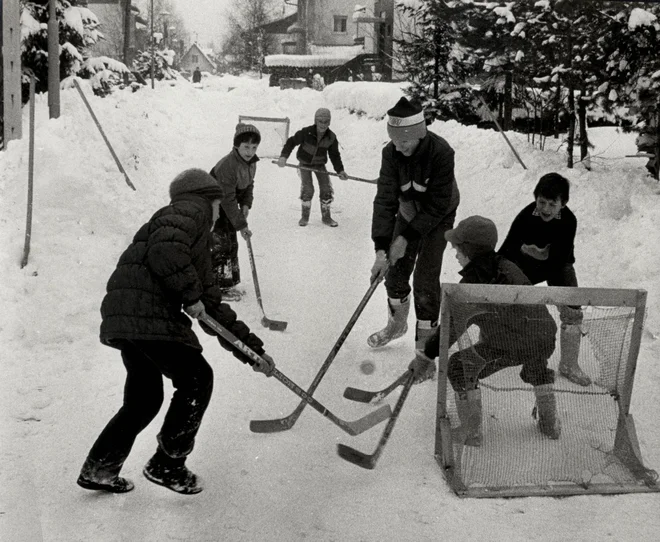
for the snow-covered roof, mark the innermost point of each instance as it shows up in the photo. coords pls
(322, 55)
(202, 51)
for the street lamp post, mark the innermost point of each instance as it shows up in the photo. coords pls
(152, 44)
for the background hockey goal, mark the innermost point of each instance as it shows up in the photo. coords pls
(597, 451)
(274, 133)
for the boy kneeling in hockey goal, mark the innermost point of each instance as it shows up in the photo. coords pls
(509, 335)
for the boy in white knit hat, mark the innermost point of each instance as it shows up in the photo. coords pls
(315, 143)
(415, 205)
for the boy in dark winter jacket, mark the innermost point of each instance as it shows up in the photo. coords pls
(235, 174)
(540, 242)
(415, 204)
(164, 273)
(509, 335)
(315, 143)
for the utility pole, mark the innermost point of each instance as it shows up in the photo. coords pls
(152, 44)
(127, 37)
(53, 61)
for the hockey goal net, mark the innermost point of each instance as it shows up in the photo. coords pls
(492, 327)
(274, 133)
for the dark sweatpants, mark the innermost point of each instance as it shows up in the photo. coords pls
(224, 253)
(562, 276)
(422, 260)
(468, 366)
(146, 363)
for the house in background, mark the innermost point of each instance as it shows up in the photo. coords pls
(110, 14)
(196, 57)
(339, 40)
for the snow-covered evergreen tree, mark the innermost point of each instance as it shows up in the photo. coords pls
(78, 29)
(429, 54)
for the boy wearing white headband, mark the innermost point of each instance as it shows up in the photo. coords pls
(415, 205)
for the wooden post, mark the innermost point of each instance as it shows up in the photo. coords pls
(492, 117)
(151, 44)
(127, 37)
(28, 220)
(98, 125)
(11, 71)
(53, 62)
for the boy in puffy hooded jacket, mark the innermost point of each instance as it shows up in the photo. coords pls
(164, 273)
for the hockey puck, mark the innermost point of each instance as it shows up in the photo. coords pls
(367, 367)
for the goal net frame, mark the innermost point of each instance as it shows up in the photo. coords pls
(449, 453)
(247, 119)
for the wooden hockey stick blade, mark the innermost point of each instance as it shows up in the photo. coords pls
(352, 428)
(283, 424)
(364, 396)
(369, 461)
(356, 457)
(275, 325)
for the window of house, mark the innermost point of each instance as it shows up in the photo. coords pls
(340, 23)
(195, 58)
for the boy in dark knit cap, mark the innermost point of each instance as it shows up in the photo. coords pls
(415, 205)
(164, 274)
(315, 143)
(540, 242)
(235, 174)
(509, 335)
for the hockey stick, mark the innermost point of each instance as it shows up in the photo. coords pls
(352, 428)
(283, 424)
(275, 325)
(364, 396)
(370, 181)
(369, 461)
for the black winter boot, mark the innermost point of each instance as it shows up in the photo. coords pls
(172, 473)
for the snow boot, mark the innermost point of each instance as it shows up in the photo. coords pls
(231, 294)
(172, 473)
(569, 368)
(429, 371)
(397, 323)
(546, 410)
(99, 478)
(326, 218)
(468, 408)
(424, 330)
(306, 209)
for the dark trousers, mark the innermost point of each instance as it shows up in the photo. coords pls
(224, 253)
(467, 366)
(146, 363)
(326, 193)
(562, 276)
(422, 260)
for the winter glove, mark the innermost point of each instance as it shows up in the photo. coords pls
(245, 210)
(535, 252)
(397, 249)
(195, 310)
(420, 364)
(281, 161)
(266, 367)
(379, 265)
(570, 316)
(246, 233)
(343, 175)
